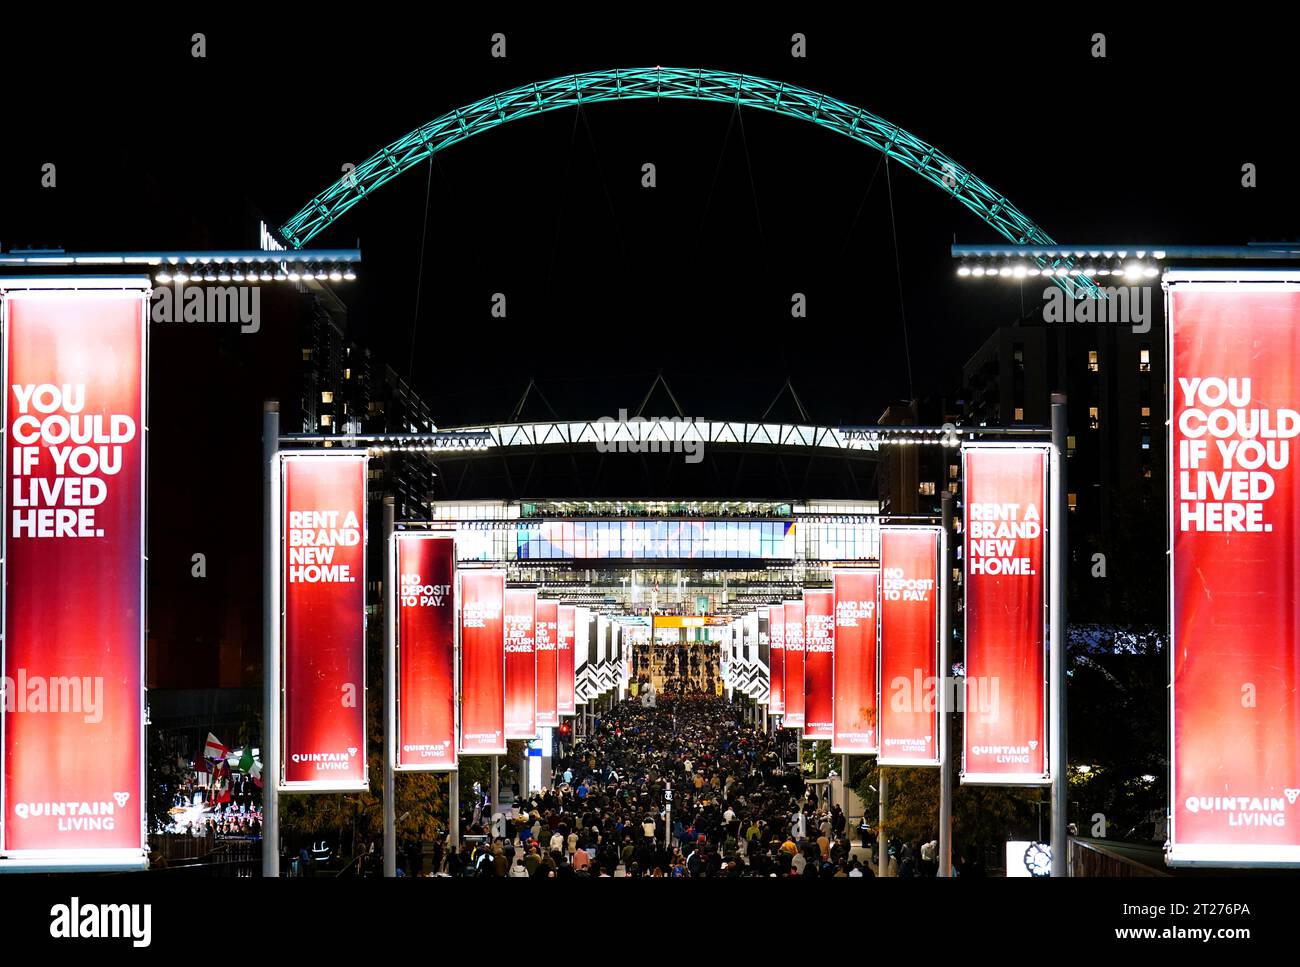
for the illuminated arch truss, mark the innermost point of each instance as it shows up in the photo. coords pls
(673, 83)
(666, 435)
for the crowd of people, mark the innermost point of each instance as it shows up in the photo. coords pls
(683, 789)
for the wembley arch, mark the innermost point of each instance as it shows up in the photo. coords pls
(670, 83)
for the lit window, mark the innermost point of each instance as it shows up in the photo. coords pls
(1020, 414)
(1146, 411)
(1094, 418)
(952, 487)
(325, 419)
(327, 397)
(1070, 443)
(306, 355)
(347, 373)
(927, 488)
(1144, 360)
(1074, 502)
(1092, 360)
(952, 471)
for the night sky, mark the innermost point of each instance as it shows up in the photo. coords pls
(607, 282)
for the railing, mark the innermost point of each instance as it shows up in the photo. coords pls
(230, 858)
(1090, 858)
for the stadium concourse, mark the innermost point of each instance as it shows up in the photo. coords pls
(683, 788)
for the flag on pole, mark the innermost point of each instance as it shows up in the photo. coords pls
(246, 760)
(213, 749)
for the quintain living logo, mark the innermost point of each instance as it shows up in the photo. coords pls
(658, 434)
(1123, 305)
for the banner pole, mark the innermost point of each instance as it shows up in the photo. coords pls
(882, 842)
(1056, 638)
(496, 788)
(945, 673)
(844, 792)
(390, 691)
(453, 809)
(270, 641)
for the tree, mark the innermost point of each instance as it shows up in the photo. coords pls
(982, 816)
(420, 797)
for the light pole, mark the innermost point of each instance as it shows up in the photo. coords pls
(270, 640)
(1056, 636)
(390, 641)
(945, 676)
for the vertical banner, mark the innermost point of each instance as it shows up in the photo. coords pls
(909, 646)
(482, 663)
(819, 665)
(545, 643)
(750, 624)
(323, 536)
(856, 614)
(581, 654)
(425, 663)
(776, 668)
(521, 664)
(564, 670)
(72, 769)
(794, 662)
(1005, 531)
(1234, 519)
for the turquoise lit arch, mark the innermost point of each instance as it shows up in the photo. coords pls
(671, 83)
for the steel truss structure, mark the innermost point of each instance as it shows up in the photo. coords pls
(666, 435)
(672, 83)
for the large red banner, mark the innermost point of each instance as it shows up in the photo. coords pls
(564, 663)
(74, 471)
(324, 585)
(482, 663)
(521, 664)
(1005, 527)
(776, 667)
(855, 661)
(909, 646)
(1234, 387)
(819, 665)
(548, 715)
(426, 651)
(794, 662)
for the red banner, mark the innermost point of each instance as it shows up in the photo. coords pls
(482, 663)
(794, 662)
(909, 646)
(73, 575)
(324, 585)
(564, 632)
(776, 667)
(548, 715)
(1234, 387)
(855, 661)
(1005, 521)
(819, 665)
(521, 664)
(426, 652)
